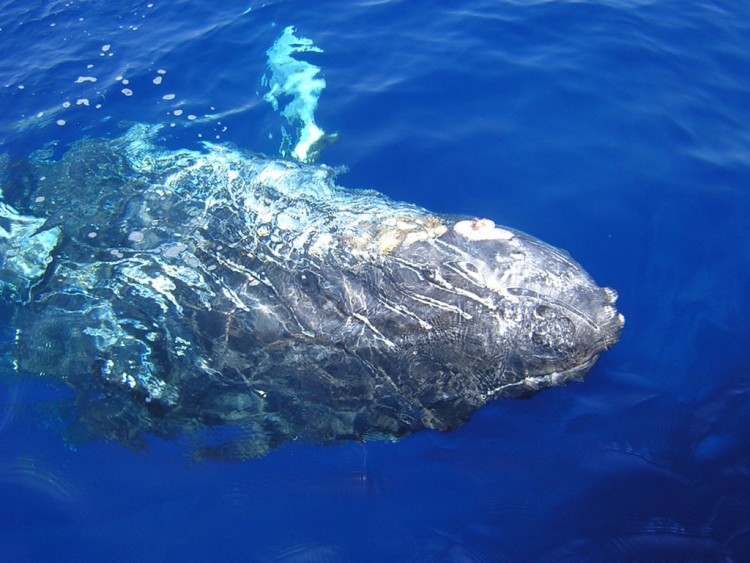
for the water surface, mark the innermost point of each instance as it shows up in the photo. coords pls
(617, 130)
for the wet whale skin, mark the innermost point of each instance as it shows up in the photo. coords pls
(237, 302)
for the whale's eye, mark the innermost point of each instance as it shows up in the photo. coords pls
(469, 267)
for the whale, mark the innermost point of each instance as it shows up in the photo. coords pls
(236, 302)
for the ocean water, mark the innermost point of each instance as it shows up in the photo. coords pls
(618, 130)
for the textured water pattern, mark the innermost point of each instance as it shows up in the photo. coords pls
(617, 130)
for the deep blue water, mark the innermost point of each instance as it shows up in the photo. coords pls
(618, 130)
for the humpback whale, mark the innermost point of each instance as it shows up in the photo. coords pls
(237, 302)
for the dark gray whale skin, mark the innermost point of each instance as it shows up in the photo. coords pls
(237, 302)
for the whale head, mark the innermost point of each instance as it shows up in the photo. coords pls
(525, 315)
(556, 319)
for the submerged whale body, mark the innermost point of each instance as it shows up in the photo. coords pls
(238, 302)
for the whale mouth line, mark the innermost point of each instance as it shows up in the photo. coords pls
(560, 377)
(532, 383)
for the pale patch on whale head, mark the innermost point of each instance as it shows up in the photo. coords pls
(481, 229)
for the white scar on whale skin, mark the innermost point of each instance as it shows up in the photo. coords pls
(482, 229)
